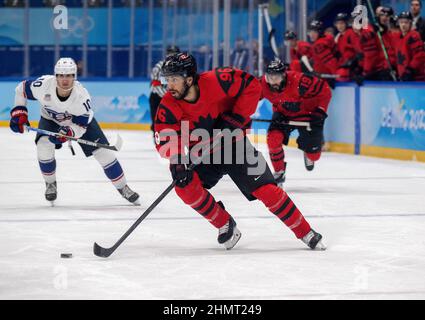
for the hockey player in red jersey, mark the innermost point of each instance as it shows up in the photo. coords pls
(298, 49)
(300, 97)
(375, 65)
(347, 42)
(222, 99)
(323, 50)
(384, 15)
(410, 51)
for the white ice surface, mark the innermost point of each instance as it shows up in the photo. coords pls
(370, 211)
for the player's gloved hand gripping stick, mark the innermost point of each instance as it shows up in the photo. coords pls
(115, 147)
(106, 252)
(289, 123)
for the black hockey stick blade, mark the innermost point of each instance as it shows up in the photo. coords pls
(102, 252)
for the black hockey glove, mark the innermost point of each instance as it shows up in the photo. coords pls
(279, 119)
(231, 121)
(407, 75)
(318, 117)
(181, 174)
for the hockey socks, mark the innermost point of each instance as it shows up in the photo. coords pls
(279, 203)
(46, 159)
(277, 154)
(196, 196)
(111, 167)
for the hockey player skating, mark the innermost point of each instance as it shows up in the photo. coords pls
(295, 97)
(66, 109)
(224, 98)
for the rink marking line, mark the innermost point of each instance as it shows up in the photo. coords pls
(407, 215)
(168, 180)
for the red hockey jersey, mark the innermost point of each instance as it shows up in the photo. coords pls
(324, 55)
(374, 59)
(301, 96)
(411, 55)
(347, 46)
(221, 90)
(303, 48)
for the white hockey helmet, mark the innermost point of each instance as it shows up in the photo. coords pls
(66, 66)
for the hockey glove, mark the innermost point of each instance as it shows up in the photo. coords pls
(318, 117)
(66, 131)
(19, 118)
(231, 121)
(278, 118)
(181, 174)
(407, 75)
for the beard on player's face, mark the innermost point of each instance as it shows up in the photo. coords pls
(275, 81)
(179, 89)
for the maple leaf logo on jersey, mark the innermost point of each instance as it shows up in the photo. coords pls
(206, 123)
(412, 40)
(401, 58)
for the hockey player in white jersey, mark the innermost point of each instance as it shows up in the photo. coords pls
(65, 108)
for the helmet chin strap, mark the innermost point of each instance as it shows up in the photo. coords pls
(67, 90)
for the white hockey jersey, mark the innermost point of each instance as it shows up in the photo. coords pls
(75, 112)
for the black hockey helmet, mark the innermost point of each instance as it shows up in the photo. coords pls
(386, 11)
(171, 49)
(342, 16)
(182, 64)
(405, 15)
(276, 67)
(317, 25)
(290, 35)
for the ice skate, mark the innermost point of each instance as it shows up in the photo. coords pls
(309, 165)
(314, 240)
(51, 192)
(229, 234)
(130, 195)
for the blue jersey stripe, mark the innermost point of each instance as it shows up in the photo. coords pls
(27, 89)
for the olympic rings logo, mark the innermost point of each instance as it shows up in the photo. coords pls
(77, 26)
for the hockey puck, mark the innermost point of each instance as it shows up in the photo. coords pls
(66, 255)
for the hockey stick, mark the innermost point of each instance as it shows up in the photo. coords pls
(106, 252)
(288, 123)
(392, 72)
(116, 147)
(271, 30)
(304, 60)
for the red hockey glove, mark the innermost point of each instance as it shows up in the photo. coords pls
(66, 131)
(19, 118)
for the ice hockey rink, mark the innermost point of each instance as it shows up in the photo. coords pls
(370, 211)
